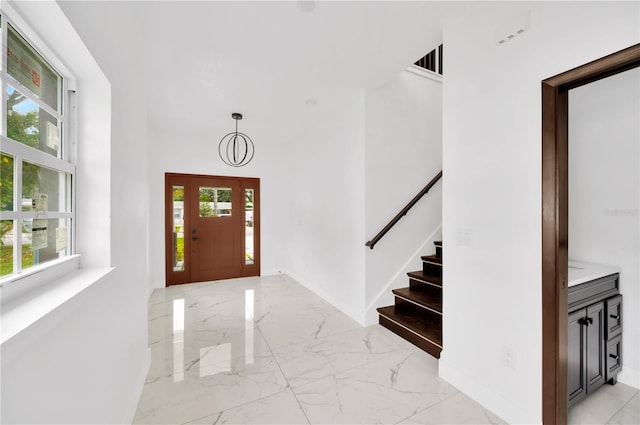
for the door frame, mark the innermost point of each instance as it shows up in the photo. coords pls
(246, 270)
(555, 221)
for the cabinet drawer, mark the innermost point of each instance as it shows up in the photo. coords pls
(614, 316)
(613, 355)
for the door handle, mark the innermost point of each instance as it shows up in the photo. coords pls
(614, 357)
(614, 316)
(194, 238)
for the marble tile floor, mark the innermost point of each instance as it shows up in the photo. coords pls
(616, 405)
(268, 351)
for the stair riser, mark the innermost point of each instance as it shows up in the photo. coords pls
(419, 342)
(413, 283)
(430, 291)
(431, 269)
(431, 313)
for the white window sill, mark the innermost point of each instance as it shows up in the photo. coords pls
(22, 308)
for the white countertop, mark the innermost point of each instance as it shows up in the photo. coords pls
(581, 272)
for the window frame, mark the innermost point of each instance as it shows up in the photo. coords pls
(66, 163)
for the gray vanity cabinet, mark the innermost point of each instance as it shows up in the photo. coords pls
(594, 336)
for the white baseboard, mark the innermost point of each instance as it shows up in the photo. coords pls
(134, 397)
(316, 289)
(503, 408)
(629, 376)
(271, 272)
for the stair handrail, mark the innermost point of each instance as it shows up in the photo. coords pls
(404, 211)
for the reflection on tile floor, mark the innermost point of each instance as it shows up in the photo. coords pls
(617, 404)
(268, 351)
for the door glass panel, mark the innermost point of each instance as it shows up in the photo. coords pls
(178, 228)
(248, 226)
(215, 202)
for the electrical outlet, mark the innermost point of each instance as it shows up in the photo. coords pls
(508, 358)
(463, 237)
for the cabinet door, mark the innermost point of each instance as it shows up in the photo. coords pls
(576, 360)
(595, 346)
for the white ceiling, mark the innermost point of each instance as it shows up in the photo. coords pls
(200, 61)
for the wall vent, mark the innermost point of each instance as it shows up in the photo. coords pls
(514, 27)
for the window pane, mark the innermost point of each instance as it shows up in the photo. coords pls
(178, 228)
(44, 240)
(31, 70)
(29, 124)
(44, 189)
(248, 228)
(6, 247)
(6, 182)
(215, 202)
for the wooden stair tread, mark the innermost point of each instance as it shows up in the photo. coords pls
(421, 276)
(423, 298)
(433, 259)
(411, 319)
(438, 243)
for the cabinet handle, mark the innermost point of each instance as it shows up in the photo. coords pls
(614, 316)
(586, 321)
(613, 356)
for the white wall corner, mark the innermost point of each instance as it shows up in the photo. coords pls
(358, 316)
(134, 396)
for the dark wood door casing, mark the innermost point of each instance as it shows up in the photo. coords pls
(209, 265)
(555, 222)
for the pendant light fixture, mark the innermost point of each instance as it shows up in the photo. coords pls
(235, 148)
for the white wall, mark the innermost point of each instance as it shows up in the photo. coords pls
(403, 152)
(86, 361)
(324, 237)
(492, 188)
(604, 147)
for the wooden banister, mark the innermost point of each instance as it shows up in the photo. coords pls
(404, 211)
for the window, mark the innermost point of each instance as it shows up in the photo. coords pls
(36, 170)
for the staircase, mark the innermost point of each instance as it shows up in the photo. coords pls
(417, 313)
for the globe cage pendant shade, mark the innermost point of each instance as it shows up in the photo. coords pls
(236, 149)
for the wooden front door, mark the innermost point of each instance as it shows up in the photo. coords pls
(212, 228)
